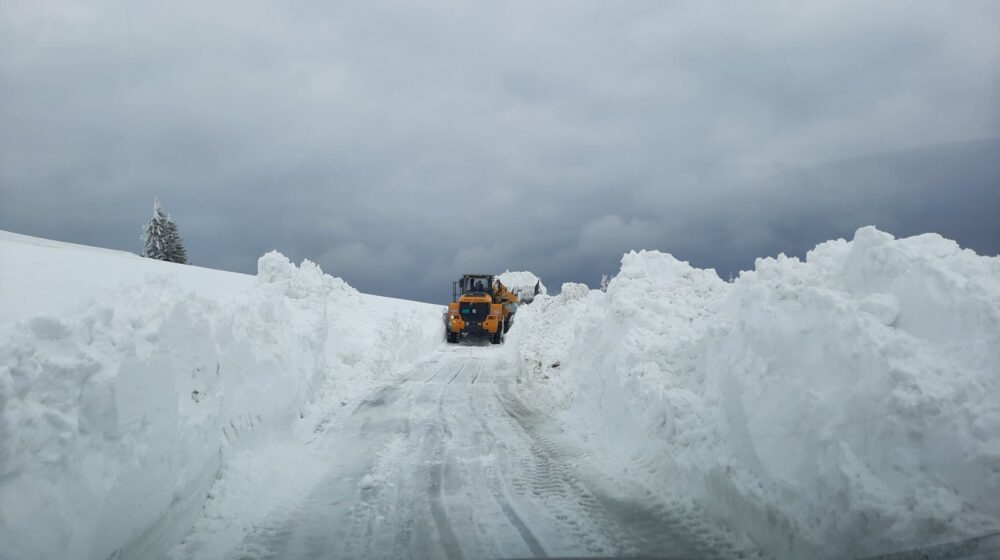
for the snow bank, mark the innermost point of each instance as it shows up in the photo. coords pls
(115, 419)
(524, 283)
(842, 406)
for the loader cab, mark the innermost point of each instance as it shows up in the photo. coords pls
(476, 285)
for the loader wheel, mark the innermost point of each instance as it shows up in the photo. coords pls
(497, 337)
(451, 337)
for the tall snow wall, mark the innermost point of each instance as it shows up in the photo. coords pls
(115, 421)
(842, 406)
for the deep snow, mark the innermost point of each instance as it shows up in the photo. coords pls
(841, 406)
(125, 384)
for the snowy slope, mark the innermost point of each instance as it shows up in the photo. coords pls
(126, 383)
(40, 276)
(843, 406)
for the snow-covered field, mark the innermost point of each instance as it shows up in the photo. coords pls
(842, 406)
(126, 383)
(838, 407)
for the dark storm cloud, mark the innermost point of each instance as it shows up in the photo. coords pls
(401, 144)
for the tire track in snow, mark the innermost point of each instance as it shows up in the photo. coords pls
(454, 486)
(436, 373)
(453, 378)
(647, 527)
(515, 520)
(392, 385)
(418, 388)
(449, 541)
(550, 478)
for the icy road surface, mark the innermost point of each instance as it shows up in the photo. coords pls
(443, 463)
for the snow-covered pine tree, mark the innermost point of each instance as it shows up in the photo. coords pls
(176, 252)
(161, 239)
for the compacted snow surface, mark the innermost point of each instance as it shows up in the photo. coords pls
(844, 406)
(444, 461)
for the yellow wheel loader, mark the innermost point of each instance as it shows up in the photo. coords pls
(481, 306)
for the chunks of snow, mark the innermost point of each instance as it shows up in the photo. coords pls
(523, 283)
(841, 406)
(119, 406)
(572, 291)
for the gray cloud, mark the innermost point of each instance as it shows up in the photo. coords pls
(399, 145)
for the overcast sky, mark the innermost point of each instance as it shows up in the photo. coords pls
(401, 144)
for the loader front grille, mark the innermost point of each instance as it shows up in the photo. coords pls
(474, 312)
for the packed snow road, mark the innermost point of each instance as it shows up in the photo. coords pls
(443, 463)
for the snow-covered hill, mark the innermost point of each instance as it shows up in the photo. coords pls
(838, 407)
(126, 382)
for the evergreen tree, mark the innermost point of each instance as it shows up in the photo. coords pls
(605, 280)
(161, 239)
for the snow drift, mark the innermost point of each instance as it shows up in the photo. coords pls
(119, 405)
(842, 406)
